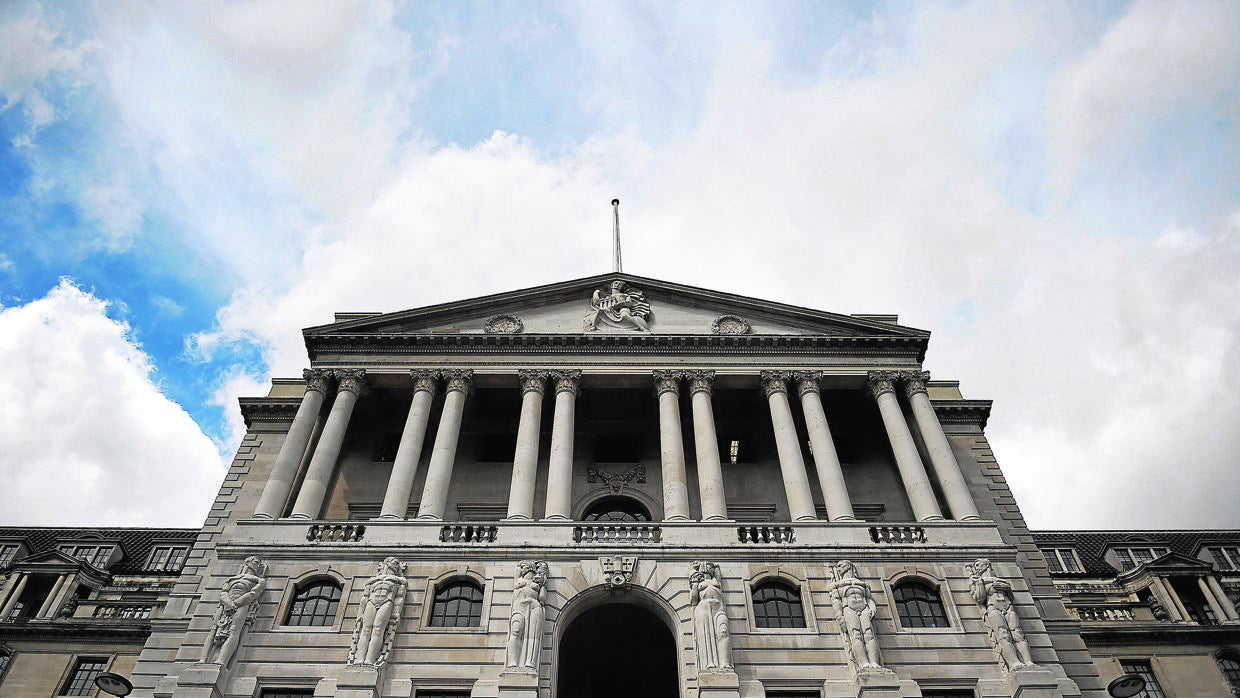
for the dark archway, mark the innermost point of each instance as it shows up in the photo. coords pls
(617, 650)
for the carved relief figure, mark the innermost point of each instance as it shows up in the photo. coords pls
(525, 625)
(382, 601)
(1002, 624)
(238, 606)
(710, 619)
(854, 608)
(621, 307)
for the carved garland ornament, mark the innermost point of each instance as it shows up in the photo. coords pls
(730, 324)
(503, 324)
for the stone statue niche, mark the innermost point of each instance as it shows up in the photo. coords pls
(622, 306)
(854, 610)
(382, 600)
(994, 595)
(238, 607)
(711, 637)
(525, 624)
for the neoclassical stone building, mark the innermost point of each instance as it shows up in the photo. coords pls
(620, 486)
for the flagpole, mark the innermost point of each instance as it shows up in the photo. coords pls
(617, 264)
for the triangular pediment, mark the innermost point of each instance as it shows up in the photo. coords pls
(567, 308)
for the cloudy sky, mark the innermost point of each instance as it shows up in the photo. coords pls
(1052, 189)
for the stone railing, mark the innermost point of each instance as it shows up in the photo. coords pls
(897, 534)
(1102, 613)
(335, 533)
(122, 612)
(468, 534)
(617, 534)
(765, 534)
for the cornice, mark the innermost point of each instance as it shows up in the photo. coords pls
(1160, 632)
(607, 343)
(970, 412)
(269, 409)
(129, 630)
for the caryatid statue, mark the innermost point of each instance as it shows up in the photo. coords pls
(622, 306)
(238, 606)
(525, 624)
(710, 618)
(994, 595)
(854, 609)
(382, 600)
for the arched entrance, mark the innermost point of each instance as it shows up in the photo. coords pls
(617, 650)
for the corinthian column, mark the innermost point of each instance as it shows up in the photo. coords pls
(560, 469)
(826, 460)
(671, 447)
(706, 444)
(525, 460)
(946, 469)
(405, 466)
(457, 384)
(788, 445)
(284, 470)
(912, 472)
(349, 384)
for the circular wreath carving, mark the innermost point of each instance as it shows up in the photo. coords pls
(503, 324)
(730, 324)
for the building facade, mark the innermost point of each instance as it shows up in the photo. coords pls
(620, 486)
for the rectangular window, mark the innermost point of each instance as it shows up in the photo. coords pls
(1142, 668)
(167, 558)
(1131, 557)
(1061, 559)
(1227, 558)
(95, 555)
(81, 681)
(287, 693)
(442, 694)
(7, 553)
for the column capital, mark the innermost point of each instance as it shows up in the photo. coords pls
(667, 382)
(351, 380)
(424, 380)
(317, 379)
(807, 381)
(533, 381)
(882, 382)
(914, 382)
(774, 382)
(567, 381)
(700, 381)
(458, 379)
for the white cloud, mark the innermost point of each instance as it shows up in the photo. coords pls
(88, 438)
(118, 212)
(1157, 58)
(232, 385)
(31, 49)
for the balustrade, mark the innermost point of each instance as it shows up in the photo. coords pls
(1103, 613)
(333, 533)
(766, 534)
(617, 534)
(897, 534)
(468, 534)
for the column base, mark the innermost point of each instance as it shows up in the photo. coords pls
(677, 518)
(971, 518)
(718, 519)
(520, 517)
(391, 517)
(932, 518)
(264, 516)
(719, 684)
(300, 517)
(557, 517)
(429, 517)
(842, 518)
(806, 518)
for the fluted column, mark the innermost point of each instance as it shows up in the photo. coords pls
(826, 459)
(788, 445)
(706, 447)
(1228, 607)
(912, 472)
(946, 469)
(457, 384)
(1208, 594)
(560, 469)
(525, 460)
(350, 383)
(671, 447)
(405, 465)
(284, 470)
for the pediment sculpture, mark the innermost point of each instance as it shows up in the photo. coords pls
(238, 607)
(620, 306)
(382, 601)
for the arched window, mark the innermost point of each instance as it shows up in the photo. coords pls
(616, 509)
(315, 604)
(457, 604)
(777, 605)
(1229, 663)
(919, 605)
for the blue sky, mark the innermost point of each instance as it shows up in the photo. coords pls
(1051, 188)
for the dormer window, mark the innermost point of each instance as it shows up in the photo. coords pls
(1226, 557)
(1062, 559)
(8, 551)
(96, 555)
(1131, 557)
(167, 558)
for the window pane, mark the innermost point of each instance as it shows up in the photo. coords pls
(288, 693)
(777, 605)
(1141, 667)
(1231, 671)
(1125, 560)
(82, 681)
(919, 606)
(457, 605)
(315, 605)
(1068, 558)
(1052, 561)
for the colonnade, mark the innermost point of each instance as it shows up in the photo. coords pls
(566, 385)
(1211, 592)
